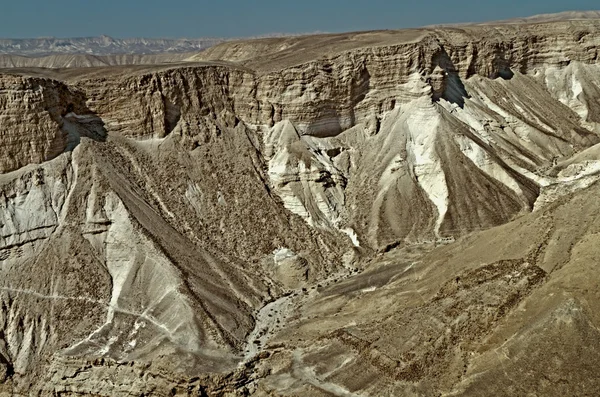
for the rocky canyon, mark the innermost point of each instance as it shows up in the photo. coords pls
(387, 213)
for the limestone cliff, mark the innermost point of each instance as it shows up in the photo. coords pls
(32, 124)
(267, 217)
(485, 94)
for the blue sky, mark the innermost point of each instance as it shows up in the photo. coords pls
(235, 18)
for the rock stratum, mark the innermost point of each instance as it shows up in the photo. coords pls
(381, 213)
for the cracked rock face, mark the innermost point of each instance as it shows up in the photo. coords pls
(32, 124)
(383, 213)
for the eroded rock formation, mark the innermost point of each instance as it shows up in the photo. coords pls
(272, 224)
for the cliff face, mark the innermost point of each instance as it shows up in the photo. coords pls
(164, 221)
(32, 120)
(330, 90)
(384, 92)
(339, 89)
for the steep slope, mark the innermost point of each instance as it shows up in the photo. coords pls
(158, 277)
(491, 113)
(509, 311)
(269, 224)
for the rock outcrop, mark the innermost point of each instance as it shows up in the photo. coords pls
(309, 222)
(383, 91)
(37, 120)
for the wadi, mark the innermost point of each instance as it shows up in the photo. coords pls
(386, 213)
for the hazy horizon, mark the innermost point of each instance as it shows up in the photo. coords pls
(238, 18)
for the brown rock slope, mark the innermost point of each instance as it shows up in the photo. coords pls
(241, 224)
(509, 311)
(34, 125)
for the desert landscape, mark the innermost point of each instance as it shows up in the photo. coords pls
(384, 213)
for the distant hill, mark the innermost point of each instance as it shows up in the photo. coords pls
(102, 45)
(541, 18)
(561, 16)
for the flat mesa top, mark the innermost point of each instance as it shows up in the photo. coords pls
(80, 73)
(273, 54)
